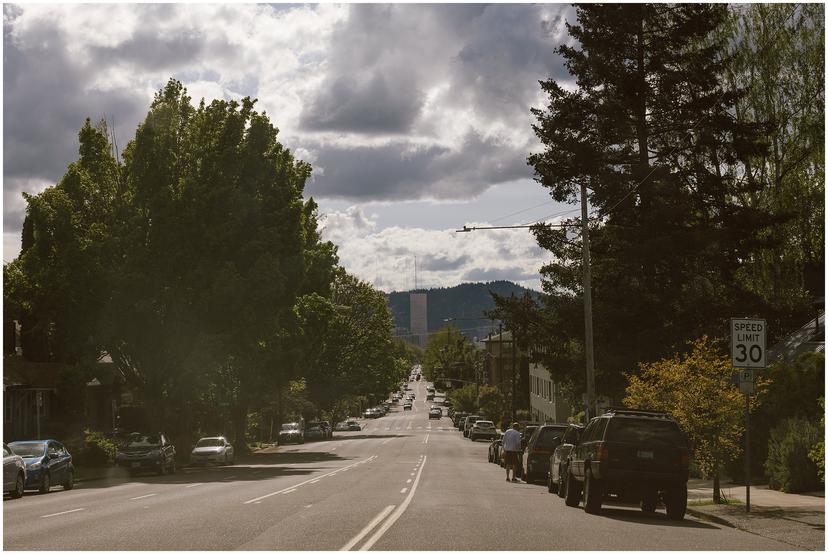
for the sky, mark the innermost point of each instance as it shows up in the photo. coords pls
(414, 117)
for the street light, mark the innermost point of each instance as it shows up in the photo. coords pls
(587, 284)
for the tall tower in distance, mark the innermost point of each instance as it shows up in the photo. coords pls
(419, 313)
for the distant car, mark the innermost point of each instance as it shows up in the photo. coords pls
(407, 405)
(213, 450)
(456, 417)
(636, 455)
(14, 473)
(47, 463)
(435, 413)
(342, 426)
(469, 423)
(418, 376)
(290, 432)
(540, 448)
(482, 429)
(147, 451)
(560, 458)
(354, 426)
(447, 402)
(314, 431)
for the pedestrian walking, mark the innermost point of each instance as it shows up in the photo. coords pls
(511, 449)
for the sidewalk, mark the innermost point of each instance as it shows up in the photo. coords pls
(795, 519)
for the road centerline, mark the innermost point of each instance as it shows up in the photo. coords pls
(61, 513)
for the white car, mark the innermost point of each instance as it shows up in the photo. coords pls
(213, 450)
(341, 426)
(14, 473)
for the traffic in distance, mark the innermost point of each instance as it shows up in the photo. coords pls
(379, 479)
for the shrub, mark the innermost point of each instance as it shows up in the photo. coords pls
(817, 453)
(788, 465)
(98, 449)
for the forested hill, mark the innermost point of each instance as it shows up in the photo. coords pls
(468, 300)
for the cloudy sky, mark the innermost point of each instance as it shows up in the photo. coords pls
(415, 117)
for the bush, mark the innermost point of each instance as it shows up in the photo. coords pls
(817, 453)
(788, 466)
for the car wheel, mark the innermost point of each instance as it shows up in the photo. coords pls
(19, 485)
(69, 484)
(45, 483)
(676, 501)
(573, 491)
(593, 493)
(649, 500)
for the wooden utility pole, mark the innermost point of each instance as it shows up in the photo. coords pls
(588, 347)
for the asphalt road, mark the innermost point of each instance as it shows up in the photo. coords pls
(402, 483)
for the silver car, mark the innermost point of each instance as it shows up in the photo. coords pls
(213, 450)
(482, 429)
(14, 473)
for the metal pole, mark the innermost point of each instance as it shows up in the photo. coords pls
(37, 409)
(514, 363)
(590, 357)
(747, 453)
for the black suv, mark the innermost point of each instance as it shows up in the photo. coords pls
(540, 448)
(147, 451)
(634, 454)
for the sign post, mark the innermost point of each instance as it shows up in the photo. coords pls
(747, 351)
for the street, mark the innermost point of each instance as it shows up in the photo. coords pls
(402, 483)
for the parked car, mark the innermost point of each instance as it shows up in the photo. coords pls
(560, 458)
(14, 473)
(456, 417)
(326, 427)
(634, 454)
(447, 402)
(467, 425)
(494, 450)
(407, 405)
(147, 451)
(213, 450)
(354, 426)
(482, 429)
(526, 432)
(47, 463)
(314, 431)
(540, 448)
(429, 396)
(435, 413)
(291, 432)
(342, 426)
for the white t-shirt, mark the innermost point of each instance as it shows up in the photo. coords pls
(511, 441)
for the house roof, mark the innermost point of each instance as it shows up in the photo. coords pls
(809, 338)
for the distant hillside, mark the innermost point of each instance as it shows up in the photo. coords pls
(468, 300)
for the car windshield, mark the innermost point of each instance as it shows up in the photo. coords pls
(645, 431)
(484, 424)
(137, 440)
(549, 437)
(29, 449)
(210, 442)
(290, 427)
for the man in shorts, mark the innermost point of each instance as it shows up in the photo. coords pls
(511, 450)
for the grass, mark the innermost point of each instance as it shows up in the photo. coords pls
(732, 501)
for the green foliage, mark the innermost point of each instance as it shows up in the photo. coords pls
(492, 403)
(449, 355)
(464, 399)
(788, 466)
(817, 453)
(697, 390)
(652, 133)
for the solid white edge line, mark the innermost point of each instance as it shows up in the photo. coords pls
(66, 512)
(302, 483)
(145, 496)
(367, 529)
(397, 513)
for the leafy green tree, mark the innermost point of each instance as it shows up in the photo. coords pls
(464, 399)
(448, 356)
(697, 389)
(817, 453)
(651, 132)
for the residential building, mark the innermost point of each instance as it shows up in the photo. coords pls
(419, 317)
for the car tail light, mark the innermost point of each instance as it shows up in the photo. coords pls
(603, 453)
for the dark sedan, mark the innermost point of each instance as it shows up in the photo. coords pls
(559, 459)
(540, 448)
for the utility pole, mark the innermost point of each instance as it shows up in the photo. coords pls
(514, 363)
(588, 346)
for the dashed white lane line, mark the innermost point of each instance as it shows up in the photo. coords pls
(408, 481)
(289, 491)
(410, 423)
(425, 441)
(260, 498)
(397, 513)
(145, 496)
(368, 528)
(413, 474)
(66, 512)
(193, 485)
(405, 490)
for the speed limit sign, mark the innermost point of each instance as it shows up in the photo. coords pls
(747, 343)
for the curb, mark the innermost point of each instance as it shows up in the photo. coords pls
(701, 514)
